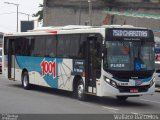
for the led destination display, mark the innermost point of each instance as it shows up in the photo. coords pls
(130, 33)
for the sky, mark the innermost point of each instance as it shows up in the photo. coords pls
(8, 13)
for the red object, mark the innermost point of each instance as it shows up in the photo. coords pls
(133, 90)
(53, 32)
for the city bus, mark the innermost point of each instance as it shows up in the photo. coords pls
(111, 60)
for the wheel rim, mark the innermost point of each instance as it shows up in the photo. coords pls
(25, 81)
(80, 90)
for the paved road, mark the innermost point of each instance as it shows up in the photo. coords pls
(14, 99)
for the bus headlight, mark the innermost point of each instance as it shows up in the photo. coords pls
(111, 82)
(107, 80)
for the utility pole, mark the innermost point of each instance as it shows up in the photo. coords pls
(17, 5)
(25, 14)
(80, 12)
(90, 12)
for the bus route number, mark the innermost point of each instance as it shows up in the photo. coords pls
(48, 68)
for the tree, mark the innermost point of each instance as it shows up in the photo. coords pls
(39, 14)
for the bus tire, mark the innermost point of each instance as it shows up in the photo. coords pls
(80, 90)
(25, 81)
(122, 98)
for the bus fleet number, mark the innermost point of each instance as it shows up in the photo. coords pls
(48, 68)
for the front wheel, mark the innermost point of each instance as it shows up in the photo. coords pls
(80, 91)
(25, 81)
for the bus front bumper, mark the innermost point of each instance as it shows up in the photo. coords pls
(109, 90)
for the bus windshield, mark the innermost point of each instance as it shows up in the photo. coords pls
(129, 56)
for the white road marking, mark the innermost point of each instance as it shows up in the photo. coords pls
(134, 113)
(110, 108)
(150, 101)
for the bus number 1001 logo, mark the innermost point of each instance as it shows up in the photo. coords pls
(48, 68)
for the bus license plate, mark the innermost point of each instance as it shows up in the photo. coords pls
(133, 90)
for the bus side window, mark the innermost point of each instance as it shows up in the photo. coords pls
(39, 46)
(74, 46)
(50, 50)
(81, 53)
(82, 49)
(6, 42)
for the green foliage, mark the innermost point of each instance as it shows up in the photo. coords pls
(39, 14)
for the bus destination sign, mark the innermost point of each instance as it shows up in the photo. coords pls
(130, 33)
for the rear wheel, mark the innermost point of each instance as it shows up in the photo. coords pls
(25, 81)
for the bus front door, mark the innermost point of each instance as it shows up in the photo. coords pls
(11, 60)
(92, 64)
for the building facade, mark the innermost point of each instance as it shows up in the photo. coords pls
(71, 12)
(141, 13)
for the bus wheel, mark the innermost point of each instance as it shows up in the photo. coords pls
(80, 90)
(25, 81)
(122, 98)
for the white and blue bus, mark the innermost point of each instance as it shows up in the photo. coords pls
(111, 60)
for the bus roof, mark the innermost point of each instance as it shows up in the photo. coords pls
(72, 28)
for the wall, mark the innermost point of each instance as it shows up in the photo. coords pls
(57, 13)
(75, 12)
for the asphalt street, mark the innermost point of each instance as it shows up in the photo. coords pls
(39, 100)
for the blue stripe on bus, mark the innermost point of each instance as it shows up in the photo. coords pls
(34, 64)
(146, 79)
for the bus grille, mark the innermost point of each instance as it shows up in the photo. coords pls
(126, 89)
